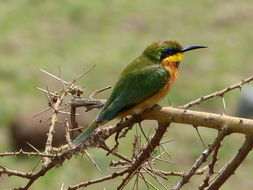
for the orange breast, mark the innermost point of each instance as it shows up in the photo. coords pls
(173, 70)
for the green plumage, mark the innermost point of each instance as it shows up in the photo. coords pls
(141, 79)
(133, 87)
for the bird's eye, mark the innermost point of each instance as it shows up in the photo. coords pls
(168, 52)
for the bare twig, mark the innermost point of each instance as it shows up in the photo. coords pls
(145, 154)
(89, 104)
(116, 154)
(67, 134)
(181, 174)
(93, 162)
(56, 161)
(53, 76)
(197, 130)
(43, 90)
(211, 167)
(56, 106)
(61, 78)
(162, 160)
(48, 146)
(98, 91)
(23, 153)
(147, 182)
(43, 111)
(109, 177)
(153, 174)
(9, 172)
(233, 165)
(195, 118)
(217, 94)
(201, 159)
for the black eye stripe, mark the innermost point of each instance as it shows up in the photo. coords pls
(168, 52)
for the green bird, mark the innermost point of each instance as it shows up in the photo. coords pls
(142, 83)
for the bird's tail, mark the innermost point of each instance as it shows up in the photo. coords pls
(86, 132)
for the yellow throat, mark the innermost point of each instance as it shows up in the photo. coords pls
(174, 58)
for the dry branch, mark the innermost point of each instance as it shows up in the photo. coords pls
(218, 93)
(50, 134)
(109, 177)
(211, 166)
(233, 165)
(9, 172)
(196, 118)
(145, 154)
(29, 154)
(201, 159)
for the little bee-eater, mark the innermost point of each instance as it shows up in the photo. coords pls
(142, 83)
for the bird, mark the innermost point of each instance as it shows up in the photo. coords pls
(145, 81)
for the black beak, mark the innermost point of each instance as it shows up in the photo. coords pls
(189, 48)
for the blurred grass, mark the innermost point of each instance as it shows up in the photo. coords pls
(74, 34)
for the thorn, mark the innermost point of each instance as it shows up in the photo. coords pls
(167, 141)
(53, 76)
(33, 147)
(62, 186)
(41, 112)
(93, 162)
(224, 104)
(200, 136)
(98, 91)
(67, 113)
(82, 74)
(43, 90)
(62, 81)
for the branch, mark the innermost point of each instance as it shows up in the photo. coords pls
(14, 173)
(99, 91)
(200, 160)
(88, 103)
(29, 154)
(217, 94)
(233, 165)
(55, 162)
(211, 167)
(196, 118)
(145, 154)
(109, 177)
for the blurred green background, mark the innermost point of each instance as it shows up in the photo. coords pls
(74, 34)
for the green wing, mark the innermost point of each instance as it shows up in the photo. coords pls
(132, 88)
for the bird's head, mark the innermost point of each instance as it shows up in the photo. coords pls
(168, 52)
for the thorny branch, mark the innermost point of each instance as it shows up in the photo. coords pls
(142, 159)
(145, 154)
(211, 166)
(233, 164)
(52, 126)
(23, 153)
(218, 93)
(201, 159)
